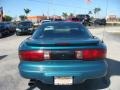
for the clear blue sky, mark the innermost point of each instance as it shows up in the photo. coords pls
(56, 7)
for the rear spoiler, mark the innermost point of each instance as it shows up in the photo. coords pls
(91, 42)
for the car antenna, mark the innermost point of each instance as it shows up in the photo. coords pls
(104, 31)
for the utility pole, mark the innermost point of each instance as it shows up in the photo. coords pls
(1, 14)
(103, 36)
(106, 8)
(48, 14)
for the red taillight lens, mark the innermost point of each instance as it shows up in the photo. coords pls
(31, 55)
(86, 54)
(91, 54)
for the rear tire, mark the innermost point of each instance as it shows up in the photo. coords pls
(106, 78)
(32, 82)
(99, 83)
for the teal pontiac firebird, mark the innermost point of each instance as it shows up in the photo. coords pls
(62, 53)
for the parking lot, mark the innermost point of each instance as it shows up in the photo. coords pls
(11, 80)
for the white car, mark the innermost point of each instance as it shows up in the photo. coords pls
(44, 21)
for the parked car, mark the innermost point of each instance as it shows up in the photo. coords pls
(84, 18)
(45, 21)
(100, 22)
(62, 53)
(36, 25)
(10, 26)
(73, 19)
(3, 29)
(24, 27)
(57, 19)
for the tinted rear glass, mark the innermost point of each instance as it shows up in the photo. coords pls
(61, 30)
(24, 24)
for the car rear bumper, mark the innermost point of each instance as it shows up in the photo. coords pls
(47, 70)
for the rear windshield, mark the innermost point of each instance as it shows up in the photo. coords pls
(24, 24)
(64, 30)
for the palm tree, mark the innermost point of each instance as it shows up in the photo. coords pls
(65, 15)
(96, 11)
(71, 15)
(27, 11)
(90, 12)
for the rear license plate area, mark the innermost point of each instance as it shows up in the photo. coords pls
(63, 80)
(62, 55)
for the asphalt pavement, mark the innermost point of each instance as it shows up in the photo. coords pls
(11, 80)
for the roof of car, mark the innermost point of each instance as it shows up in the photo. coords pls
(61, 22)
(46, 20)
(25, 21)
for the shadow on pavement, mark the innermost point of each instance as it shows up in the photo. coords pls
(42, 86)
(8, 35)
(114, 67)
(3, 56)
(94, 84)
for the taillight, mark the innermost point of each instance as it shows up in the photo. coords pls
(41, 55)
(34, 55)
(91, 54)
